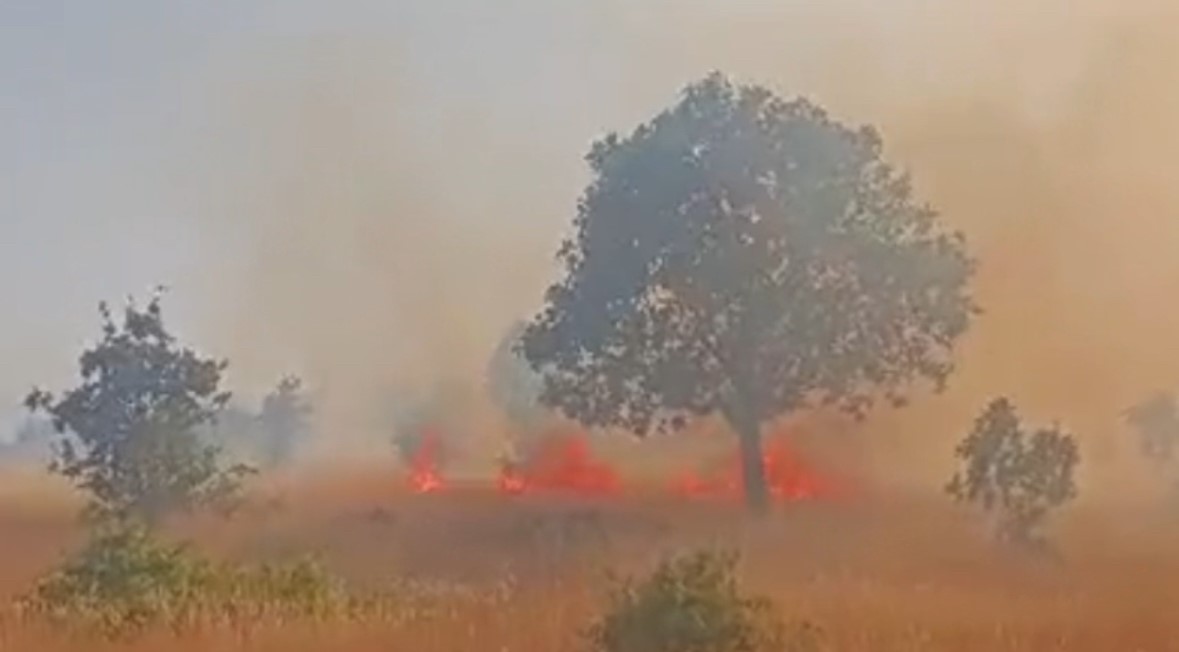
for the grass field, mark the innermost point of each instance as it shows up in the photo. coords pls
(882, 573)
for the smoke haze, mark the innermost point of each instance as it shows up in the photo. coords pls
(370, 196)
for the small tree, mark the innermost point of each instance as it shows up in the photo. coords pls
(127, 432)
(1157, 422)
(744, 255)
(284, 421)
(1018, 476)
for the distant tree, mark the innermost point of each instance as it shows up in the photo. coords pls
(34, 431)
(1017, 475)
(284, 421)
(234, 432)
(127, 431)
(32, 441)
(745, 255)
(1157, 422)
(512, 384)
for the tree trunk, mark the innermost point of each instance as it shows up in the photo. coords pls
(753, 470)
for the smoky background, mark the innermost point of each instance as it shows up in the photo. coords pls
(370, 194)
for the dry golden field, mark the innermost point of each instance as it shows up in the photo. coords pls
(882, 573)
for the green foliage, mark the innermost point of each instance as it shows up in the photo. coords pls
(1016, 475)
(693, 604)
(126, 581)
(127, 432)
(745, 255)
(1157, 422)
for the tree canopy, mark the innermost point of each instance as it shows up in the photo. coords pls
(745, 255)
(127, 433)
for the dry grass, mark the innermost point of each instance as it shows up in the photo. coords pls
(887, 573)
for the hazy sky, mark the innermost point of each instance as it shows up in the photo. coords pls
(368, 193)
(149, 142)
(125, 124)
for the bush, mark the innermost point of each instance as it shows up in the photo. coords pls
(693, 604)
(126, 581)
(122, 580)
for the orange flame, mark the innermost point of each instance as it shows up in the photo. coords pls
(560, 463)
(424, 476)
(788, 479)
(511, 481)
(564, 463)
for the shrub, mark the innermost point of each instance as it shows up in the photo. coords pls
(123, 580)
(693, 603)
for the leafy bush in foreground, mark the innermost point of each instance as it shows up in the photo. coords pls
(693, 604)
(125, 581)
(121, 580)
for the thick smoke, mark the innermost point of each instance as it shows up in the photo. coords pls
(395, 199)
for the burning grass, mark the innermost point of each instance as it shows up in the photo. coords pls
(562, 462)
(527, 572)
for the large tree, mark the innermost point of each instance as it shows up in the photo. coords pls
(128, 432)
(746, 255)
